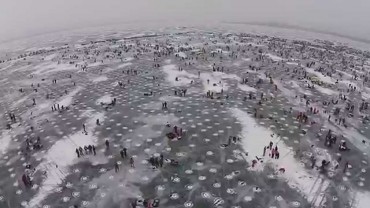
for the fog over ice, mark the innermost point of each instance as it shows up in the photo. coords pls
(23, 18)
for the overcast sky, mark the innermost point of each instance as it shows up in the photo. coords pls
(23, 18)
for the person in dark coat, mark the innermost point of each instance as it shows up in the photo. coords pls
(77, 152)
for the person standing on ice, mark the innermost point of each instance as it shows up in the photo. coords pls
(270, 145)
(175, 130)
(313, 161)
(125, 152)
(26, 181)
(277, 154)
(77, 152)
(81, 151)
(132, 163)
(273, 153)
(89, 148)
(116, 167)
(107, 144)
(161, 161)
(122, 154)
(264, 151)
(345, 167)
(93, 148)
(254, 162)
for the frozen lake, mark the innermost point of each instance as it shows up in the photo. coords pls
(208, 118)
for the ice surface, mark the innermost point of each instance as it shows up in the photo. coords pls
(203, 165)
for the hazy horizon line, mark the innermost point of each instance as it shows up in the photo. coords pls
(253, 23)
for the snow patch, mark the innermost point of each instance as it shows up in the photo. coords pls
(61, 156)
(184, 77)
(274, 57)
(104, 99)
(4, 141)
(67, 100)
(216, 81)
(319, 75)
(99, 79)
(246, 88)
(256, 137)
(124, 65)
(325, 90)
(181, 54)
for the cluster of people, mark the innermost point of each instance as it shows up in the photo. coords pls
(121, 84)
(181, 92)
(274, 152)
(175, 133)
(34, 145)
(57, 107)
(150, 203)
(116, 164)
(131, 71)
(12, 119)
(164, 105)
(314, 110)
(209, 94)
(111, 104)
(330, 139)
(86, 150)
(27, 176)
(156, 162)
(231, 140)
(302, 117)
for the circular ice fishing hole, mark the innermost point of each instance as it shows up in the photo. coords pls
(188, 204)
(230, 191)
(160, 188)
(296, 204)
(229, 177)
(213, 170)
(188, 171)
(176, 180)
(85, 203)
(93, 186)
(189, 187)
(200, 164)
(217, 185)
(279, 198)
(174, 196)
(247, 198)
(76, 194)
(206, 195)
